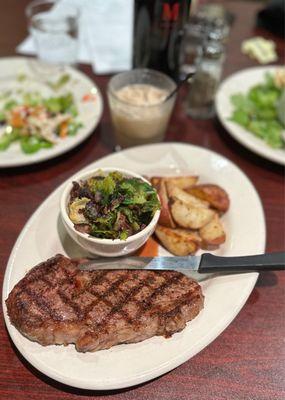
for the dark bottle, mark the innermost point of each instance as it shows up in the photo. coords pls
(158, 31)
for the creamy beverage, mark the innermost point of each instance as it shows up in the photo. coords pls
(141, 94)
(140, 113)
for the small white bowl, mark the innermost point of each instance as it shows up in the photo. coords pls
(104, 247)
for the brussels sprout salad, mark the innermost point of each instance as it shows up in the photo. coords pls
(261, 109)
(112, 206)
(36, 122)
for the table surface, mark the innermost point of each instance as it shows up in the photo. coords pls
(247, 360)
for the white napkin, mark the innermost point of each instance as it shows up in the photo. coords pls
(105, 39)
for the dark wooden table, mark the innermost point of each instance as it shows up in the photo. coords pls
(247, 360)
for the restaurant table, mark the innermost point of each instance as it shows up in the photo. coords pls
(247, 360)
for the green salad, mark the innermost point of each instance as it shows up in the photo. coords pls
(36, 122)
(112, 206)
(258, 111)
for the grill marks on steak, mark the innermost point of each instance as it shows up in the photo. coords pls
(56, 303)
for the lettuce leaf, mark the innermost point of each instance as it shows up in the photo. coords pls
(257, 111)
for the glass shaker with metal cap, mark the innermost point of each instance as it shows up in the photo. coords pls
(194, 36)
(202, 88)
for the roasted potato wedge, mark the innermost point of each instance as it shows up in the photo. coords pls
(213, 233)
(188, 216)
(165, 218)
(180, 194)
(213, 194)
(179, 242)
(182, 182)
(155, 181)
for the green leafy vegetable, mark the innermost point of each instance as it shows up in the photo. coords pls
(32, 144)
(60, 82)
(10, 104)
(73, 127)
(123, 235)
(256, 111)
(281, 108)
(118, 206)
(241, 117)
(61, 104)
(105, 186)
(30, 113)
(8, 138)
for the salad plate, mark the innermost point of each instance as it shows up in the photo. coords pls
(45, 110)
(130, 364)
(242, 82)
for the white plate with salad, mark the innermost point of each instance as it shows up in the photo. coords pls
(250, 105)
(45, 110)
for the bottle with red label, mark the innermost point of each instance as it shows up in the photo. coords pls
(158, 31)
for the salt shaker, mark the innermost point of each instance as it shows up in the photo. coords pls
(194, 36)
(219, 31)
(202, 88)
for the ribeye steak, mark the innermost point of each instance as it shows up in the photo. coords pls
(57, 303)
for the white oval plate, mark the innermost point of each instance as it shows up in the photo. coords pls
(241, 82)
(38, 76)
(131, 364)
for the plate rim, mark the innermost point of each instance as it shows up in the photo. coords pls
(56, 152)
(180, 359)
(241, 135)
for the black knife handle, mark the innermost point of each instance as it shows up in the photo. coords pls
(261, 262)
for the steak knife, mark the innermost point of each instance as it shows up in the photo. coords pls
(206, 263)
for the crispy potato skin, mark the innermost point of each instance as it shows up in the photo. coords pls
(182, 182)
(155, 181)
(213, 233)
(179, 242)
(180, 194)
(165, 218)
(213, 194)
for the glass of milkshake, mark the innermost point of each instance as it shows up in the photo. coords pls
(140, 109)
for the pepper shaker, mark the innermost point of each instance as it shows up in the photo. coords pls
(202, 88)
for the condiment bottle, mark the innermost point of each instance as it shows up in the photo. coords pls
(202, 88)
(158, 32)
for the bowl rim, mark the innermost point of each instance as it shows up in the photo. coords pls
(86, 174)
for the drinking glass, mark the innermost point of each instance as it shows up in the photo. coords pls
(54, 27)
(139, 124)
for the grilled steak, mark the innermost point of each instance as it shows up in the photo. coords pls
(56, 303)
